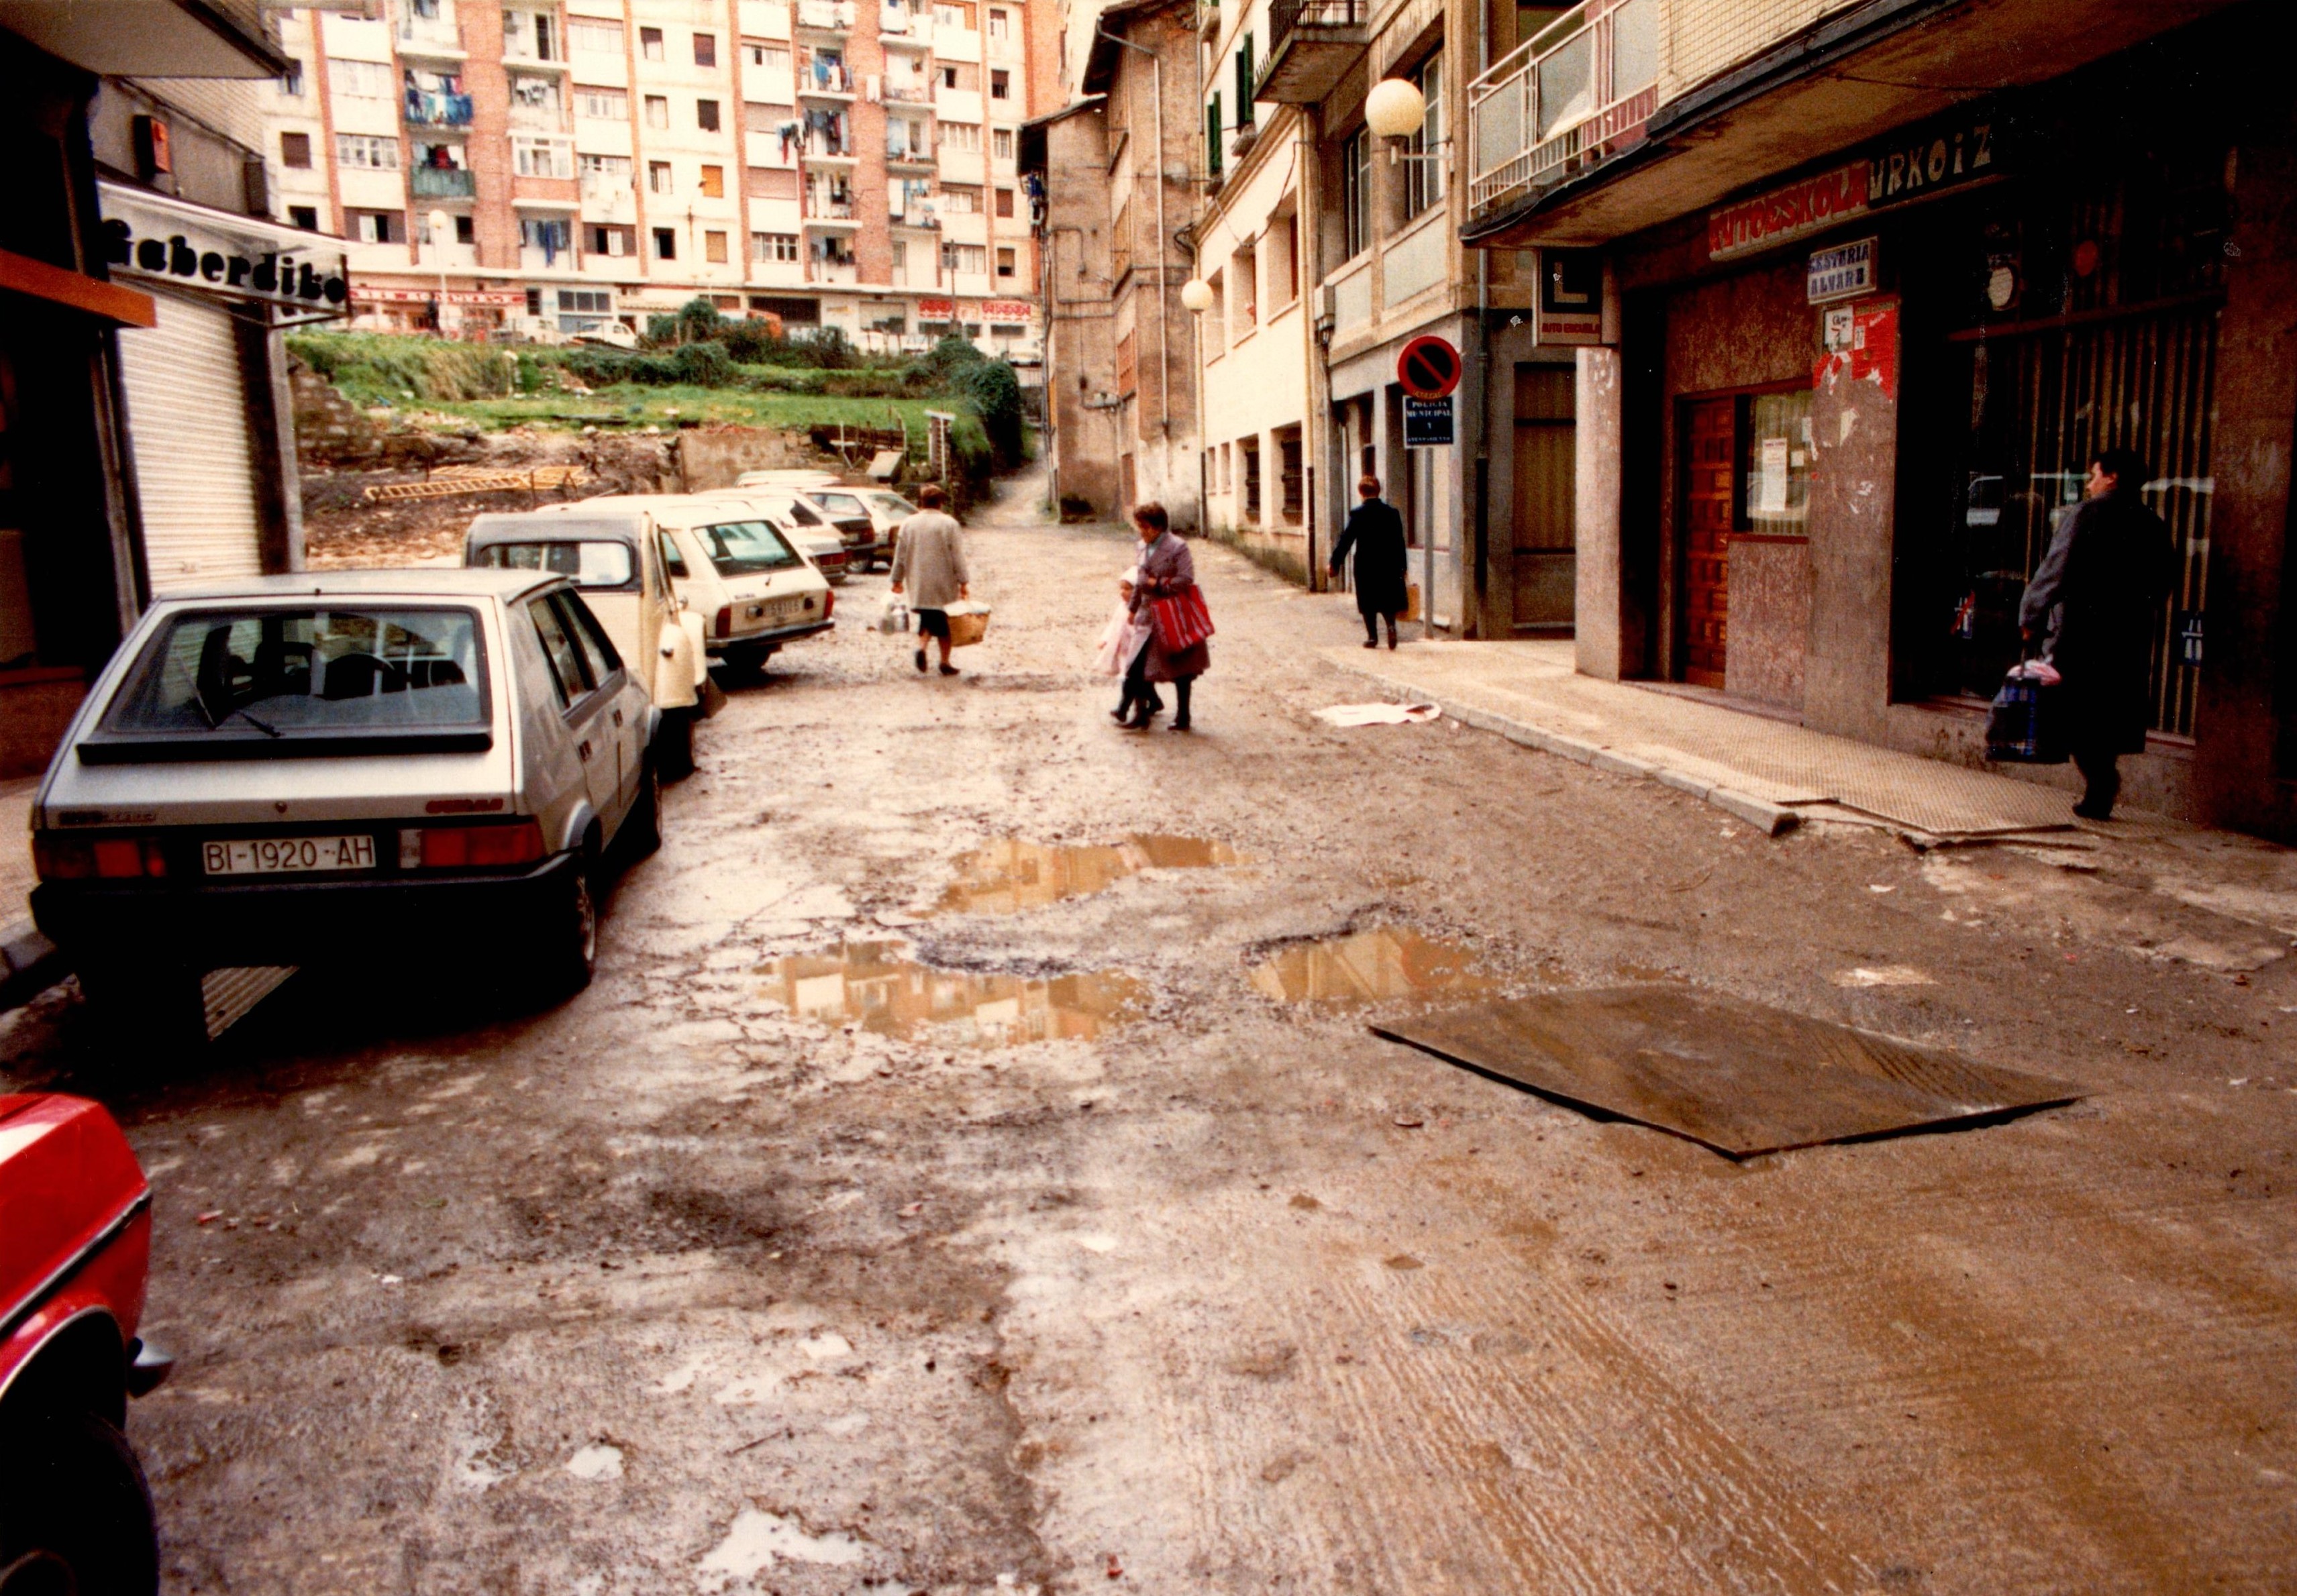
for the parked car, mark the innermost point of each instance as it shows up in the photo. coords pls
(75, 1246)
(818, 495)
(800, 524)
(379, 769)
(732, 565)
(616, 557)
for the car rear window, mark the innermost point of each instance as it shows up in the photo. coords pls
(266, 676)
(602, 563)
(739, 547)
(840, 504)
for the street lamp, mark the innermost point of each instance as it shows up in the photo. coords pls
(441, 224)
(1197, 295)
(1396, 109)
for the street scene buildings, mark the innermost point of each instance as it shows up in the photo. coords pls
(1333, 796)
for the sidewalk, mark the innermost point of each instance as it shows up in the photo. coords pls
(1769, 772)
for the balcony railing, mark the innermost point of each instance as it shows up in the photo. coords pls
(1575, 94)
(427, 109)
(445, 182)
(1312, 45)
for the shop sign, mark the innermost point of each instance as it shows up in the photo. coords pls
(936, 309)
(1428, 423)
(1844, 271)
(503, 298)
(1907, 167)
(1007, 310)
(152, 236)
(1571, 297)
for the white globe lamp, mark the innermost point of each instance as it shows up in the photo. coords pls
(441, 227)
(1395, 108)
(1197, 295)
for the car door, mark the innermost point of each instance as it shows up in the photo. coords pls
(622, 720)
(581, 703)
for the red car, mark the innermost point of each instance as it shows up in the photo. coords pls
(75, 1243)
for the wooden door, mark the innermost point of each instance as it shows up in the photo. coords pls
(1710, 439)
(1544, 496)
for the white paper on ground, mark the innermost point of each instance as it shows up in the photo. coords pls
(1379, 714)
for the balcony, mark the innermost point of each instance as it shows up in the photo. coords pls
(429, 38)
(1578, 92)
(434, 109)
(833, 272)
(444, 183)
(1312, 44)
(917, 36)
(825, 16)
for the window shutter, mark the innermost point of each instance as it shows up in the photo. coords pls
(1213, 138)
(1244, 83)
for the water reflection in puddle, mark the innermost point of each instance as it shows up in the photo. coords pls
(1009, 876)
(1370, 966)
(873, 985)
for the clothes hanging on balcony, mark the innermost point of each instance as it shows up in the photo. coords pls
(788, 132)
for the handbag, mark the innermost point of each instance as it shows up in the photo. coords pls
(894, 617)
(1181, 620)
(2027, 724)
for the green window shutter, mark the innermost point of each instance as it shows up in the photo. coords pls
(1244, 83)
(1213, 138)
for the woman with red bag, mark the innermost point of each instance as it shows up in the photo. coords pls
(1174, 650)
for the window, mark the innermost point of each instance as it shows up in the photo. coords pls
(1215, 321)
(658, 177)
(777, 247)
(604, 104)
(1243, 82)
(673, 558)
(306, 217)
(713, 248)
(1000, 143)
(614, 242)
(1356, 194)
(665, 244)
(714, 182)
(295, 151)
(960, 136)
(1212, 137)
(657, 111)
(606, 170)
(359, 79)
(1007, 265)
(1000, 22)
(1284, 260)
(554, 238)
(650, 43)
(367, 152)
(291, 81)
(705, 49)
(1251, 481)
(972, 258)
(954, 13)
(533, 157)
(529, 36)
(569, 671)
(1423, 180)
(1004, 201)
(593, 36)
(705, 115)
(774, 60)
(960, 202)
(948, 76)
(1244, 276)
(1000, 84)
(375, 227)
(745, 547)
(464, 229)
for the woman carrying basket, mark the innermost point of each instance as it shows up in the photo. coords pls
(1167, 595)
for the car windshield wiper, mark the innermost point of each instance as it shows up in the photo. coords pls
(264, 726)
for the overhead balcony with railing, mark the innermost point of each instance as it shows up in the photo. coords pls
(1312, 45)
(424, 31)
(443, 183)
(825, 16)
(1575, 94)
(435, 99)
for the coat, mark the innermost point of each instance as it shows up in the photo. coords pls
(929, 559)
(2110, 565)
(1166, 568)
(1376, 533)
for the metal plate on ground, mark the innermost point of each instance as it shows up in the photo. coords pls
(1741, 1078)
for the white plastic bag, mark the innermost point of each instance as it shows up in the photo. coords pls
(894, 617)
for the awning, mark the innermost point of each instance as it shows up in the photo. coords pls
(220, 254)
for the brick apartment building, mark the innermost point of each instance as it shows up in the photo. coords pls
(839, 163)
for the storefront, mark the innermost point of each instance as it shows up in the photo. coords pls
(210, 427)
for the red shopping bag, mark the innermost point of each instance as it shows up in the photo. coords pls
(1183, 621)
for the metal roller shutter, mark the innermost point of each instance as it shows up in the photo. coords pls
(195, 475)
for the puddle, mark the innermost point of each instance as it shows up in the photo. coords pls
(1009, 876)
(1371, 966)
(874, 986)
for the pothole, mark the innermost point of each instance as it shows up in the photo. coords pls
(1379, 965)
(878, 988)
(1009, 876)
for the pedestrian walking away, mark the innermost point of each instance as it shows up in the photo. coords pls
(1166, 598)
(2097, 598)
(1375, 531)
(929, 565)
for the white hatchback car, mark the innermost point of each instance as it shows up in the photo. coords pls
(385, 768)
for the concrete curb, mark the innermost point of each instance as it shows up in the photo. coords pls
(1770, 819)
(29, 963)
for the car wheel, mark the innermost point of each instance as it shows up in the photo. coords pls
(747, 666)
(567, 950)
(75, 1511)
(145, 1007)
(641, 833)
(674, 744)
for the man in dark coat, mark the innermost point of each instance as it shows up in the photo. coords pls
(1376, 533)
(2110, 565)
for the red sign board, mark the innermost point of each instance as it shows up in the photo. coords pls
(1008, 309)
(1428, 368)
(1809, 206)
(936, 309)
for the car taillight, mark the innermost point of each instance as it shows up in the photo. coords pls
(470, 847)
(828, 603)
(107, 858)
(724, 626)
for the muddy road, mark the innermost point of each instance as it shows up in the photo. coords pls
(971, 1172)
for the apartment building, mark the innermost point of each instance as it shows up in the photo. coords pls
(1871, 283)
(537, 168)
